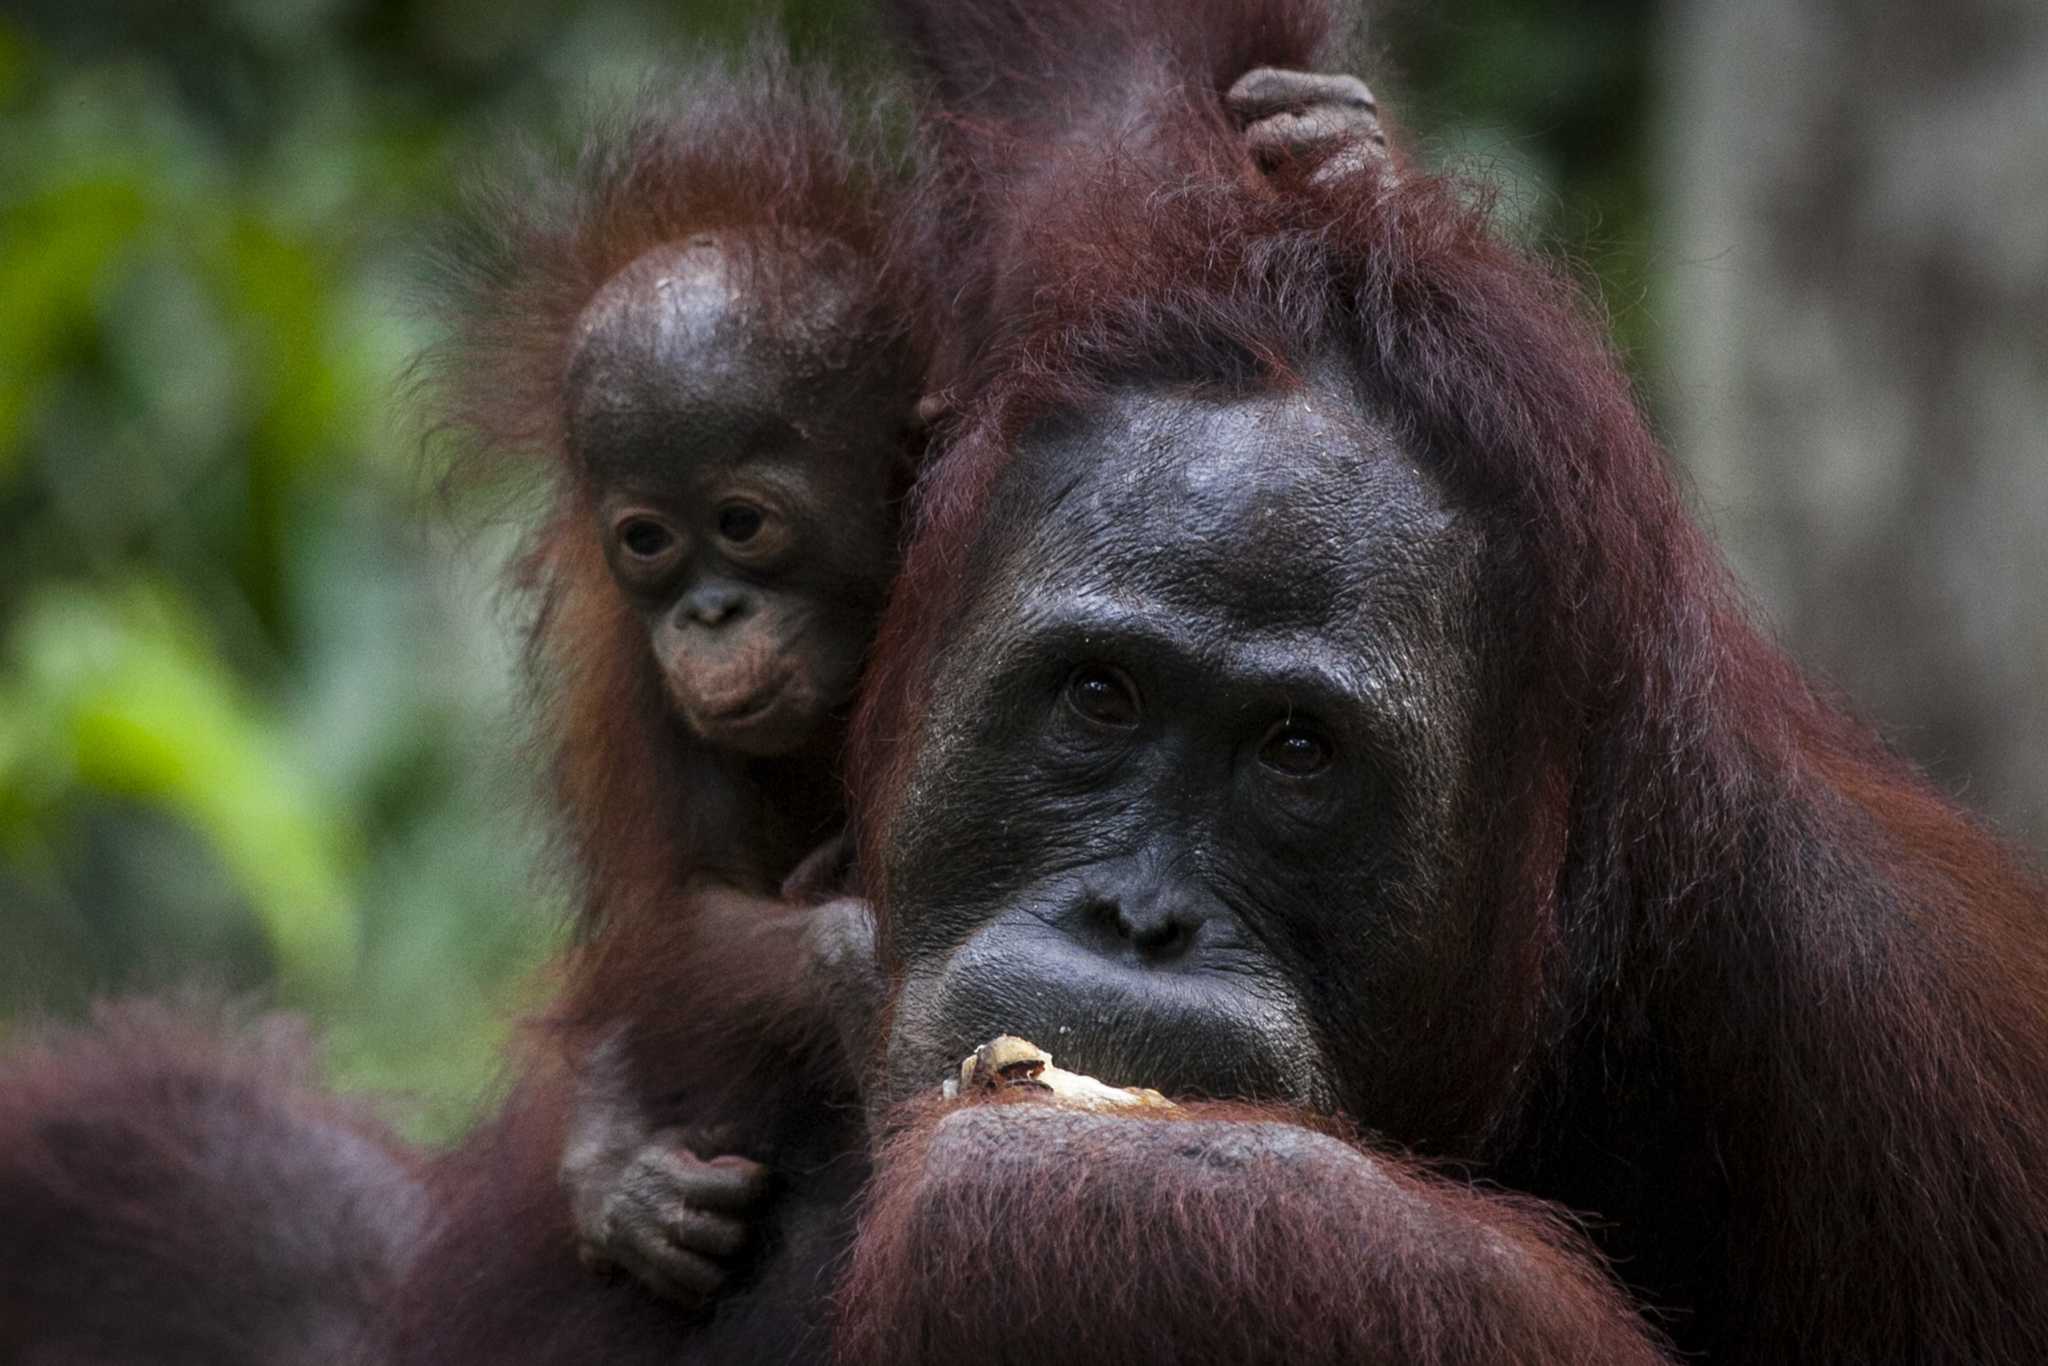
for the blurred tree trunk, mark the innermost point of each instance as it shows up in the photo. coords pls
(1857, 299)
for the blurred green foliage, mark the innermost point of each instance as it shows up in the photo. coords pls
(259, 725)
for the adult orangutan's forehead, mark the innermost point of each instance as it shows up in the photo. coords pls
(1277, 505)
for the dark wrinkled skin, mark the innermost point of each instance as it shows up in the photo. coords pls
(1190, 888)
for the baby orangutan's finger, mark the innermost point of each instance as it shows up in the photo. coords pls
(685, 1277)
(1264, 91)
(1323, 127)
(707, 1235)
(666, 1173)
(727, 1184)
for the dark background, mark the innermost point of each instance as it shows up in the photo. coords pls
(258, 723)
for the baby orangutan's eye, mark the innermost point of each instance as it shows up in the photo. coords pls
(644, 538)
(739, 522)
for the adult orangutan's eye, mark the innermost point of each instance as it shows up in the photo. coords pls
(1103, 695)
(1295, 749)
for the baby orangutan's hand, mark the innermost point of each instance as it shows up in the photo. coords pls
(669, 1218)
(648, 1201)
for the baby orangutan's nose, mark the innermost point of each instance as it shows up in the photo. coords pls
(715, 604)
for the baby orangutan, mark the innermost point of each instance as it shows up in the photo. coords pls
(702, 336)
(745, 467)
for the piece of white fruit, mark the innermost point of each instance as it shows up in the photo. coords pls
(1007, 1063)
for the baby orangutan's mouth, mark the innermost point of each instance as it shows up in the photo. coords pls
(774, 719)
(752, 705)
(1007, 1064)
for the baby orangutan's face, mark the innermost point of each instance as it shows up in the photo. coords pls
(744, 461)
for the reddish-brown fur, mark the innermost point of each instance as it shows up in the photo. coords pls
(175, 1189)
(501, 1281)
(1754, 996)
(1768, 1009)
(1055, 1244)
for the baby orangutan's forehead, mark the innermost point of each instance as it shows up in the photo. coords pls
(693, 304)
(702, 352)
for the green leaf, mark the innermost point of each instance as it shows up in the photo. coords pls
(140, 707)
(57, 250)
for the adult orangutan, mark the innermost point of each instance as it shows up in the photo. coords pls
(1307, 696)
(1308, 688)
